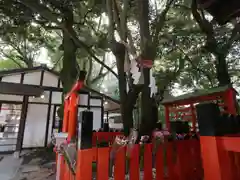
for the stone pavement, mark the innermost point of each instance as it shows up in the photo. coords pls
(9, 166)
(34, 171)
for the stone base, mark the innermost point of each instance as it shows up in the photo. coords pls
(16, 154)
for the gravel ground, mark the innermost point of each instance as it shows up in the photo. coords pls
(41, 174)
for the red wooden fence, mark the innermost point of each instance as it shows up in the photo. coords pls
(99, 137)
(221, 157)
(179, 160)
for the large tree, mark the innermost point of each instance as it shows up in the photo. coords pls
(219, 41)
(138, 25)
(70, 18)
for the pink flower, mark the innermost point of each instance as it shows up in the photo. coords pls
(144, 138)
(165, 133)
(158, 134)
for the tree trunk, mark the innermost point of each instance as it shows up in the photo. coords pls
(127, 99)
(147, 121)
(68, 73)
(223, 76)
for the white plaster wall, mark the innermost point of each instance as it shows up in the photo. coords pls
(44, 99)
(7, 148)
(50, 79)
(32, 78)
(5, 140)
(4, 111)
(83, 99)
(34, 134)
(16, 78)
(56, 97)
(95, 102)
(97, 112)
(6, 97)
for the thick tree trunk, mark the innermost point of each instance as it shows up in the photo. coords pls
(69, 70)
(223, 76)
(127, 99)
(147, 121)
(68, 73)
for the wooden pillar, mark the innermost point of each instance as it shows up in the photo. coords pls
(194, 118)
(22, 125)
(65, 116)
(216, 160)
(48, 118)
(72, 123)
(84, 149)
(230, 101)
(102, 113)
(167, 118)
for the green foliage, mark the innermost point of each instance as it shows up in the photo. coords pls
(181, 53)
(9, 64)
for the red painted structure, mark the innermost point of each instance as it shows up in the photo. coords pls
(183, 107)
(170, 164)
(109, 137)
(221, 157)
(170, 157)
(219, 160)
(69, 124)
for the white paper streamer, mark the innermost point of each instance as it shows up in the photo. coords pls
(152, 84)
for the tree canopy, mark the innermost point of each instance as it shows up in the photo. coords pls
(186, 46)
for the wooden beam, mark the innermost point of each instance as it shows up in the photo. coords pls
(22, 124)
(20, 89)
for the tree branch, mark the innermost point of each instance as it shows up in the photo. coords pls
(111, 21)
(197, 68)
(203, 23)
(100, 75)
(159, 22)
(205, 26)
(123, 19)
(116, 16)
(235, 35)
(101, 69)
(11, 58)
(46, 13)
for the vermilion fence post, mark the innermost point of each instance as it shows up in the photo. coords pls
(134, 162)
(72, 122)
(148, 162)
(216, 160)
(160, 168)
(167, 117)
(181, 167)
(170, 161)
(84, 165)
(103, 163)
(119, 165)
(194, 119)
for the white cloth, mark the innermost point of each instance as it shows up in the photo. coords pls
(152, 84)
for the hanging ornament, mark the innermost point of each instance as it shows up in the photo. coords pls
(152, 85)
(134, 70)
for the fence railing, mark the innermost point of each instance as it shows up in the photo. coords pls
(99, 137)
(177, 160)
(225, 154)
